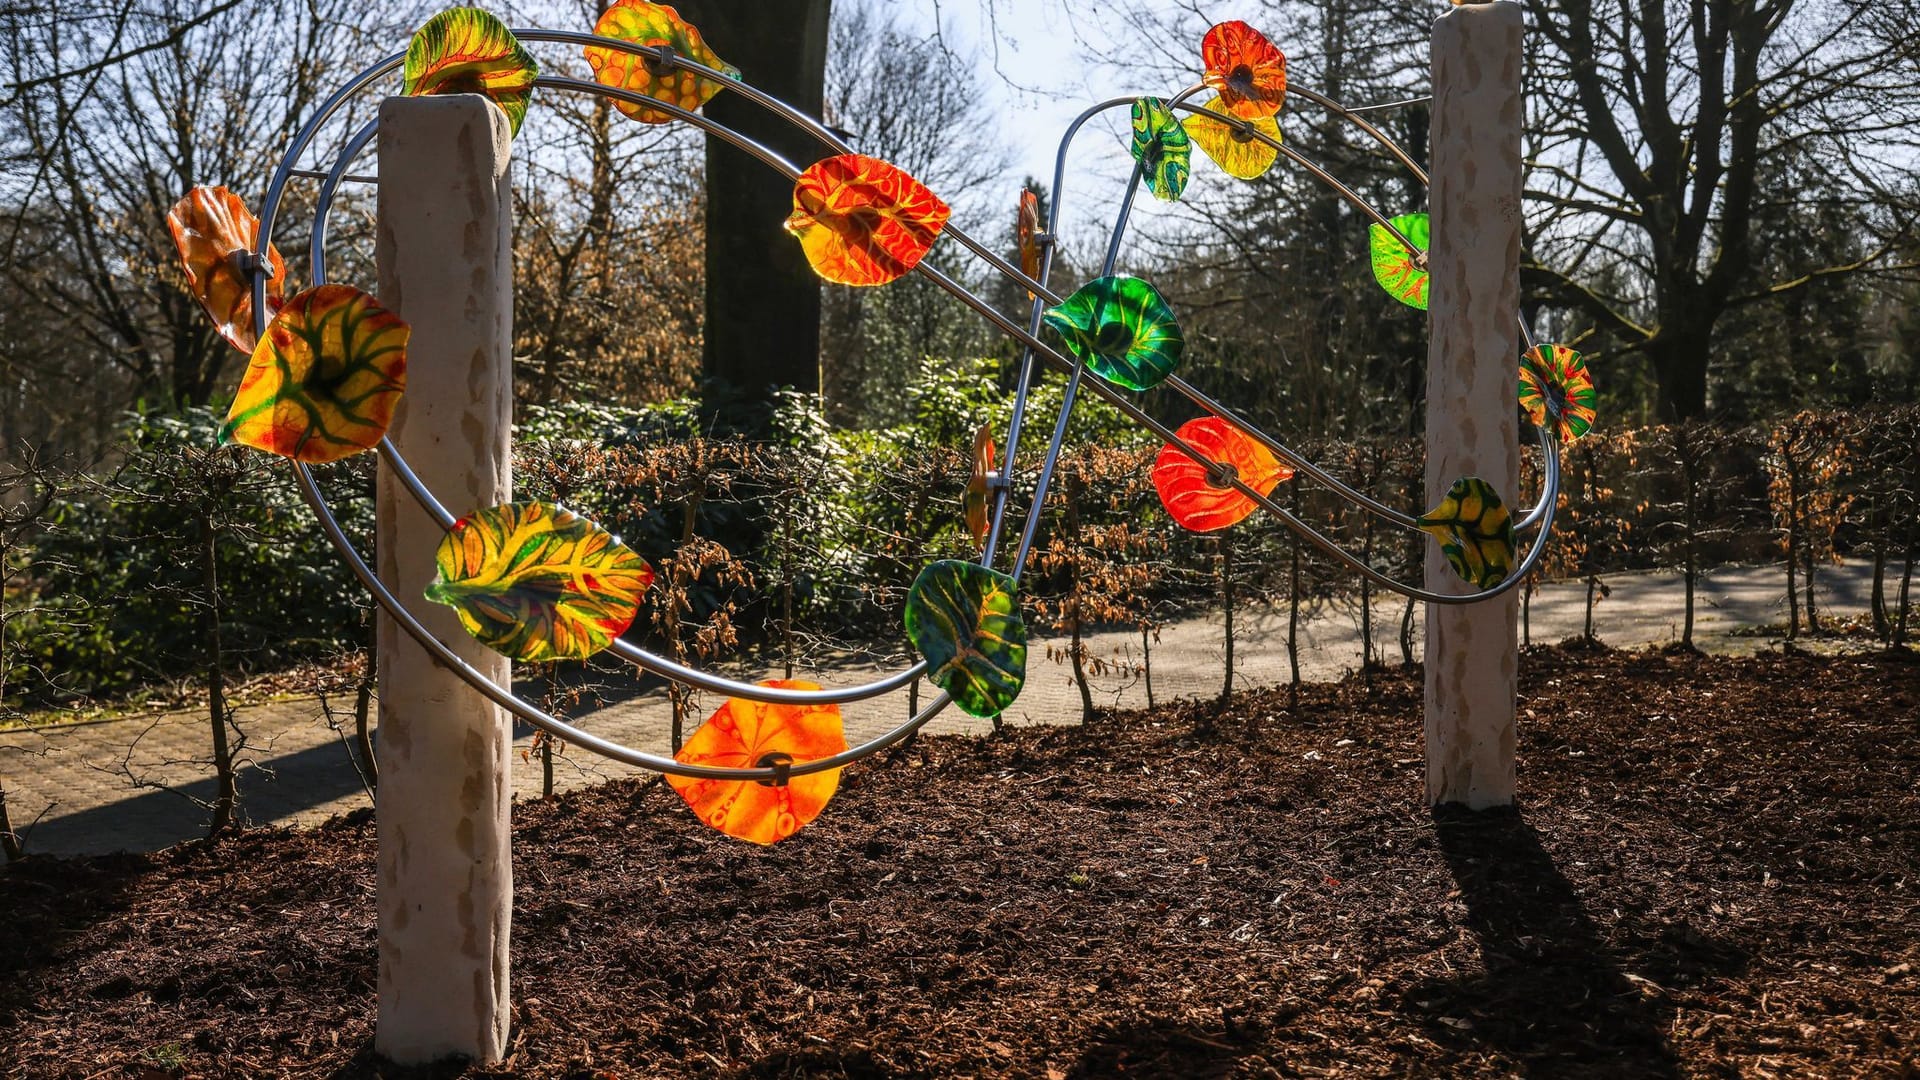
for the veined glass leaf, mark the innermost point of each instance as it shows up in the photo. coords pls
(1401, 272)
(323, 382)
(1187, 488)
(1161, 147)
(862, 221)
(213, 230)
(1554, 383)
(975, 502)
(1230, 145)
(538, 582)
(965, 620)
(1026, 230)
(745, 734)
(1245, 69)
(1475, 532)
(1122, 329)
(644, 23)
(465, 50)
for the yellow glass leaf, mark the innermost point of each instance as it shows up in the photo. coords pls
(645, 23)
(1230, 145)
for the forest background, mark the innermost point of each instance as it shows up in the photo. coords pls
(1719, 213)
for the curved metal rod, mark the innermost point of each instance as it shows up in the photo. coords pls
(1353, 117)
(626, 650)
(506, 699)
(1138, 416)
(323, 205)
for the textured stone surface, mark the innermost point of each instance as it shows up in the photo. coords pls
(1472, 359)
(445, 876)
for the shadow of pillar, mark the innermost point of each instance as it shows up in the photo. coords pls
(1553, 998)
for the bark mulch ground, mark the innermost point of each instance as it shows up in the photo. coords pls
(1715, 870)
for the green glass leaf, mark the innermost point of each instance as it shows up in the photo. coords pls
(965, 620)
(1401, 272)
(468, 51)
(1122, 329)
(538, 582)
(1162, 148)
(1475, 532)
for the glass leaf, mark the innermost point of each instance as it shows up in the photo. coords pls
(468, 51)
(862, 221)
(538, 582)
(1230, 146)
(1401, 272)
(975, 502)
(1554, 383)
(1245, 69)
(1162, 148)
(654, 24)
(1186, 488)
(323, 383)
(1475, 532)
(1026, 230)
(213, 229)
(965, 620)
(1122, 329)
(745, 734)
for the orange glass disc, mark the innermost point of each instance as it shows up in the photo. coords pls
(1245, 69)
(211, 226)
(742, 734)
(862, 221)
(1188, 492)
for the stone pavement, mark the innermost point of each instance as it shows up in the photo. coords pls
(104, 786)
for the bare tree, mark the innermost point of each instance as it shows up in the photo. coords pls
(1655, 127)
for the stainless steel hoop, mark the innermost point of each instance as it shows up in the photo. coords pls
(1034, 351)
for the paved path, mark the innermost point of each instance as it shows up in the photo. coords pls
(76, 785)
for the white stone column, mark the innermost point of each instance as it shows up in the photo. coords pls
(445, 875)
(1472, 652)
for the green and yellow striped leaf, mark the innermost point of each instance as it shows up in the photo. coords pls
(1401, 272)
(465, 50)
(1475, 532)
(1162, 148)
(324, 379)
(538, 582)
(1122, 329)
(965, 620)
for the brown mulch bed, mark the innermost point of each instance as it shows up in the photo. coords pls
(1715, 871)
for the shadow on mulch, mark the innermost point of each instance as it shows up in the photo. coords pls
(1538, 945)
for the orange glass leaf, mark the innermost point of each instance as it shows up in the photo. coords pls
(975, 502)
(1188, 492)
(1245, 69)
(213, 229)
(1232, 146)
(744, 734)
(1026, 230)
(862, 221)
(324, 380)
(645, 23)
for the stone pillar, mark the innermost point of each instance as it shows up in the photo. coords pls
(1472, 652)
(445, 255)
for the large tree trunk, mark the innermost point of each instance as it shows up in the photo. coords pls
(1679, 357)
(763, 300)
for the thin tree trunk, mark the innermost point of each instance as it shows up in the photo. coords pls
(1882, 626)
(9, 840)
(1526, 609)
(1690, 543)
(1146, 660)
(1293, 603)
(1906, 584)
(226, 789)
(1076, 652)
(1226, 599)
